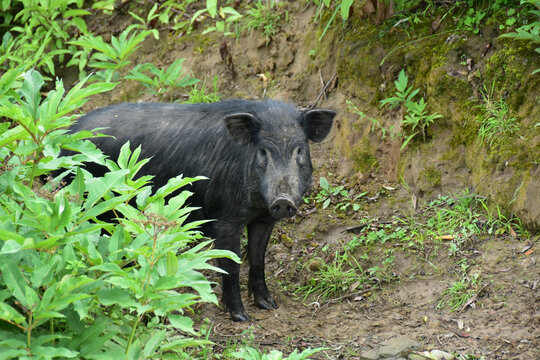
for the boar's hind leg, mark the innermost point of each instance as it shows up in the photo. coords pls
(258, 234)
(227, 237)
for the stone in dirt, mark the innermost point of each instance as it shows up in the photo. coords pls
(391, 349)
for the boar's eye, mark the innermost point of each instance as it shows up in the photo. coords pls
(262, 156)
(300, 154)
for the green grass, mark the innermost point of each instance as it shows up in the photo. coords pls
(201, 95)
(334, 277)
(461, 291)
(496, 122)
(263, 17)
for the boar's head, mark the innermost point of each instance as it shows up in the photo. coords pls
(279, 164)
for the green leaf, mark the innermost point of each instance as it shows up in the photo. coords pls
(101, 186)
(154, 342)
(324, 183)
(345, 8)
(211, 6)
(182, 323)
(49, 352)
(11, 275)
(172, 263)
(326, 203)
(134, 352)
(10, 314)
(33, 81)
(11, 246)
(104, 206)
(116, 296)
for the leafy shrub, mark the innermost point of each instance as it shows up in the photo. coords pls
(415, 112)
(97, 53)
(39, 33)
(264, 18)
(228, 15)
(161, 81)
(72, 285)
(529, 32)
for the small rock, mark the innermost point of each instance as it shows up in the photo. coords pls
(441, 355)
(432, 355)
(391, 349)
(398, 346)
(372, 354)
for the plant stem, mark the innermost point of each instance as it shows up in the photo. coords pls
(134, 327)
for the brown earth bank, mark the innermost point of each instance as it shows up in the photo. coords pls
(502, 320)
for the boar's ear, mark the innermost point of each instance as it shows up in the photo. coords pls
(242, 127)
(318, 123)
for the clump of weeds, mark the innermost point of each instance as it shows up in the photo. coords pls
(462, 292)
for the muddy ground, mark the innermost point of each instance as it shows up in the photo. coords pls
(502, 321)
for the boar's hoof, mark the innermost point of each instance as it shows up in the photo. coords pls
(282, 207)
(243, 316)
(267, 303)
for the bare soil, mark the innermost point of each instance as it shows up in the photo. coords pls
(501, 322)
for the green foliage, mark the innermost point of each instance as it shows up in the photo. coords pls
(97, 53)
(457, 294)
(263, 17)
(416, 115)
(456, 219)
(529, 32)
(199, 95)
(228, 15)
(249, 353)
(404, 94)
(342, 6)
(471, 20)
(75, 286)
(161, 81)
(335, 277)
(39, 33)
(338, 195)
(31, 139)
(496, 124)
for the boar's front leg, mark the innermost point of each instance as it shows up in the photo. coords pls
(258, 234)
(227, 237)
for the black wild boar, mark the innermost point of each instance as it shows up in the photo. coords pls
(255, 154)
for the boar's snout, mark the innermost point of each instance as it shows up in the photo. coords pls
(282, 206)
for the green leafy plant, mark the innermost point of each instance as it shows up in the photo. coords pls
(262, 17)
(334, 277)
(471, 20)
(342, 6)
(462, 290)
(417, 117)
(415, 114)
(39, 33)
(228, 15)
(249, 353)
(200, 95)
(75, 286)
(375, 123)
(529, 32)
(111, 58)
(404, 94)
(161, 81)
(30, 140)
(496, 122)
(338, 194)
